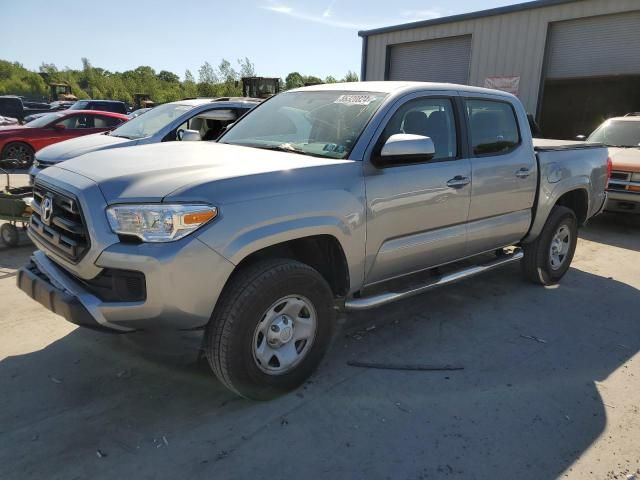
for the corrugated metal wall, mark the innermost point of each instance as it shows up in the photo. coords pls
(439, 60)
(602, 45)
(511, 44)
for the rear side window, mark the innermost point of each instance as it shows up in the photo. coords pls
(493, 127)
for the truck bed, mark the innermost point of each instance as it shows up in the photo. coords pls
(544, 144)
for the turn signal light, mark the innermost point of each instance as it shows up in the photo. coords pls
(198, 217)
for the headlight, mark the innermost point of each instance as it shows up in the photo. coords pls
(635, 177)
(159, 222)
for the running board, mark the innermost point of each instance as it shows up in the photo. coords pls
(354, 304)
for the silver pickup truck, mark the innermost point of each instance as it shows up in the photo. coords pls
(343, 196)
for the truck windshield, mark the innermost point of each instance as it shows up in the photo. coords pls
(151, 122)
(318, 123)
(617, 133)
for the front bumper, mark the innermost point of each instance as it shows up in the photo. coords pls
(183, 282)
(35, 283)
(622, 202)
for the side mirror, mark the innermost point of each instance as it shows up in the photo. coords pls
(59, 126)
(406, 148)
(190, 136)
(581, 138)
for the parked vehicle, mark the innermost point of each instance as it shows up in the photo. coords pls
(8, 121)
(102, 105)
(622, 136)
(13, 107)
(21, 142)
(142, 100)
(165, 123)
(341, 195)
(260, 87)
(61, 92)
(53, 107)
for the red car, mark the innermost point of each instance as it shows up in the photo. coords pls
(21, 142)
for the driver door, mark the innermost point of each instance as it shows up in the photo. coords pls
(417, 212)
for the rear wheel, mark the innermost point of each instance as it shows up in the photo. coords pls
(270, 329)
(548, 258)
(9, 234)
(19, 151)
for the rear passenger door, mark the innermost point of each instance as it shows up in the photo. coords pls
(417, 212)
(504, 174)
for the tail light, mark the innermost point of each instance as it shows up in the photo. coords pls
(609, 168)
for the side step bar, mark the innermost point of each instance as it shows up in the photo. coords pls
(374, 301)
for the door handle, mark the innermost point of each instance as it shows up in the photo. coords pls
(458, 181)
(523, 173)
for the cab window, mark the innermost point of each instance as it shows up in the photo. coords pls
(429, 117)
(493, 127)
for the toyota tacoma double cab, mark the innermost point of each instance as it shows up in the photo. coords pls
(324, 198)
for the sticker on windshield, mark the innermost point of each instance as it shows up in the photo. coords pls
(355, 99)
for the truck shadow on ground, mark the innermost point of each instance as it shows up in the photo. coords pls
(615, 229)
(93, 405)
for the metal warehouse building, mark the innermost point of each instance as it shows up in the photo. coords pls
(572, 63)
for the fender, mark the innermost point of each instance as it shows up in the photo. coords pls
(555, 181)
(246, 228)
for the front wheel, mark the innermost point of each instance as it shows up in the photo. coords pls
(548, 258)
(19, 151)
(270, 329)
(9, 235)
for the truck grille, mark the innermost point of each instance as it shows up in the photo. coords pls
(621, 181)
(57, 222)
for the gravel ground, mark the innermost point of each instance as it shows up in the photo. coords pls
(549, 387)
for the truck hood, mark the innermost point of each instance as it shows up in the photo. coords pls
(75, 147)
(186, 170)
(625, 159)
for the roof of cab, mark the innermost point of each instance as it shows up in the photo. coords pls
(396, 87)
(204, 100)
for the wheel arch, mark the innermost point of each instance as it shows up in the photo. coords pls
(321, 251)
(574, 196)
(10, 142)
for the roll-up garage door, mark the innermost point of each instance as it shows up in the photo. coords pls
(595, 46)
(440, 60)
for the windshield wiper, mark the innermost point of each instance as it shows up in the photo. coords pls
(284, 147)
(119, 136)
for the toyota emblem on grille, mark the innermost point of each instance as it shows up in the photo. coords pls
(47, 209)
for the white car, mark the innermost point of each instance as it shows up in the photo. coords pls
(622, 136)
(204, 118)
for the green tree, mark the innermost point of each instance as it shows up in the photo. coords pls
(247, 69)
(206, 74)
(169, 77)
(294, 80)
(350, 77)
(312, 80)
(330, 79)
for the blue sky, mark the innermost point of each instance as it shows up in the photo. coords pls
(314, 37)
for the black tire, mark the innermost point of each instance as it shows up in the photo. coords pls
(230, 334)
(537, 262)
(9, 235)
(19, 151)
